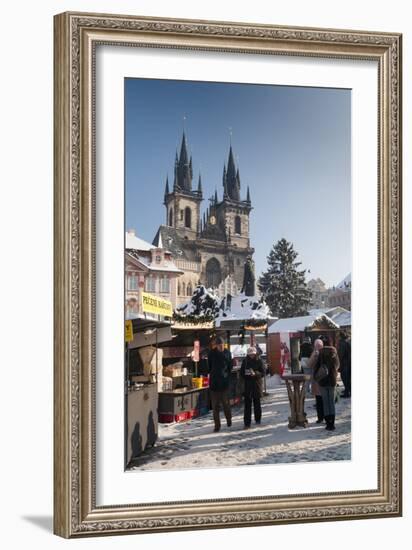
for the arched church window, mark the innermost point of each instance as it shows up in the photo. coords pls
(171, 218)
(188, 217)
(189, 290)
(238, 225)
(213, 273)
(183, 289)
(178, 288)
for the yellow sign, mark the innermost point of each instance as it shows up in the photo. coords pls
(128, 332)
(154, 304)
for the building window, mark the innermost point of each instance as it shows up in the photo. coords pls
(183, 289)
(188, 217)
(238, 225)
(158, 259)
(181, 215)
(213, 273)
(150, 284)
(171, 217)
(132, 306)
(178, 289)
(164, 284)
(132, 282)
(189, 290)
(238, 261)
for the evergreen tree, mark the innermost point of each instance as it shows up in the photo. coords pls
(283, 285)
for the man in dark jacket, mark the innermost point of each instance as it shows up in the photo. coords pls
(252, 371)
(220, 367)
(344, 352)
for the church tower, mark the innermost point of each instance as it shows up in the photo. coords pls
(233, 212)
(183, 203)
(224, 231)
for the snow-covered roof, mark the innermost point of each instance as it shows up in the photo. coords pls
(203, 304)
(319, 311)
(167, 266)
(136, 243)
(338, 314)
(343, 319)
(242, 307)
(300, 324)
(346, 283)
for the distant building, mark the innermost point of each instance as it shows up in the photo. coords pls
(342, 294)
(150, 269)
(323, 297)
(319, 293)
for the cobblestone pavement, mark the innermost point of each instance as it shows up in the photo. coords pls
(194, 444)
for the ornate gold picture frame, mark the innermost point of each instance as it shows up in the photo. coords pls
(76, 36)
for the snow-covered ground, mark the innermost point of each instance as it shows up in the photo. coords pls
(194, 444)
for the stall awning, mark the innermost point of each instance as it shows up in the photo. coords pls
(148, 332)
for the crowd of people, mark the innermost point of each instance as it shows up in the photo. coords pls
(320, 360)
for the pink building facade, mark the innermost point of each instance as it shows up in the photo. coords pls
(148, 268)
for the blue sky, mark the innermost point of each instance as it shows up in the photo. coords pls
(292, 146)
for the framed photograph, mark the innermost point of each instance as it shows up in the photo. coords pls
(227, 275)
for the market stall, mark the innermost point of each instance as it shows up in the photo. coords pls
(285, 336)
(143, 366)
(185, 390)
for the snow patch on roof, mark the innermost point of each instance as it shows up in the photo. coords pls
(299, 324)
(242, 307)
(136, 243)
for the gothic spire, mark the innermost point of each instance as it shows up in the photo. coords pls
(199, 185)
(175, 184)
(215, 196)
(184, 157)
(224, 179)
(184, 171)
(167, 186)
(232, 178)
(248, 195)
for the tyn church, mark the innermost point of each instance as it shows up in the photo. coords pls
(210, 248)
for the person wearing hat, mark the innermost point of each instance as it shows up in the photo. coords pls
(220, 366)
(252, 371)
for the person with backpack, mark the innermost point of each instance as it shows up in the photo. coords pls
(252, 371)
(325, 374)
(220, 367)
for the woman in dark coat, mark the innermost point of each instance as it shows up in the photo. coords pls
(252, 371)
(328, 361)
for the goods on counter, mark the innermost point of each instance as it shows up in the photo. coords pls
(176, 369)
(197, 382)
(182, 381)
(205, 381)
(167, 383)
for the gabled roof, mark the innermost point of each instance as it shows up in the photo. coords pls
(168, 266)
(172, 242)
(346, 283)
(300, 324)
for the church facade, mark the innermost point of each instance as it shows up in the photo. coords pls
(209, 246)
